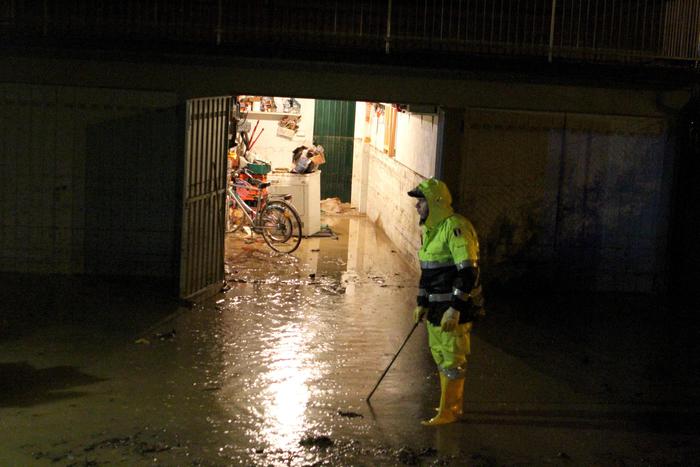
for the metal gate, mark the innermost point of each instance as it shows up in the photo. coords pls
(204, 197)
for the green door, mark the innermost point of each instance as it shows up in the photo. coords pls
(334, 129)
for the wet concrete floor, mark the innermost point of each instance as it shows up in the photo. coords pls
(275, 371)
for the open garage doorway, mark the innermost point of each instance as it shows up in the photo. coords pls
(370, 153)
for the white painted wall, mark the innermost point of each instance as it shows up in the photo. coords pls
(416, 137)
(380, 182)
(278, 149)
(388, 205)
(416, 142)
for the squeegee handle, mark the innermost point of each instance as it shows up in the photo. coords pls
(392, 360)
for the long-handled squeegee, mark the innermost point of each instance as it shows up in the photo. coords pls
(392, 361)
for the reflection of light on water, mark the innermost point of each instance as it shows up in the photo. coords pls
(288, 392)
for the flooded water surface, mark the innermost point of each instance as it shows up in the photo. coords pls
(276, 368)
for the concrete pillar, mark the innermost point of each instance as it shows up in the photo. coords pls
(450, 150)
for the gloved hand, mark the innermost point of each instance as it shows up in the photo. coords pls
(450, 320)
(419, 313)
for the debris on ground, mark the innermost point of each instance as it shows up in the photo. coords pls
(134, 443)
(110, 443)
(325, 231)
(316, 441)
(149, 448)
(407, 456)
(335, 206)
(378, 279)
(428, 452)
(349, 414)
(142, 341)
(164, 336)
(237, 279)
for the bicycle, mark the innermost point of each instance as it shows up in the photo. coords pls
(272, 216)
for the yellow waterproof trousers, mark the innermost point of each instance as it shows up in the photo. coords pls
(450, 349)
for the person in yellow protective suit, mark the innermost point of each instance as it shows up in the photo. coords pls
(449, 294)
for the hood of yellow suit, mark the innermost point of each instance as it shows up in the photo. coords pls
(439, 201)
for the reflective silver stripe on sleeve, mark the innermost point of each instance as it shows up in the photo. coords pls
(435, 264)
(422, 292)
(461, 294)
(466, 264)
(440, 297)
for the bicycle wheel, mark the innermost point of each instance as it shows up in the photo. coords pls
(234, 216)
(281, 226)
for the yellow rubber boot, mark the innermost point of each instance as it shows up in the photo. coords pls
(456, 400)
(456, 396)
(444, 414)
(443, 383)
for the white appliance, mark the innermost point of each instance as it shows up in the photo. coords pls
(306, 196)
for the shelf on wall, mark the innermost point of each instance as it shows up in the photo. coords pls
(269, 115)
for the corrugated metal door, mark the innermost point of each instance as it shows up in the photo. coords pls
(334, 129)
(204, 196)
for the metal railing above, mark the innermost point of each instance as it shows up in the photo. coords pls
(620, 31)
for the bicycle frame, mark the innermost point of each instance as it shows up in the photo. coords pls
(250, 213)
(271, 216)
